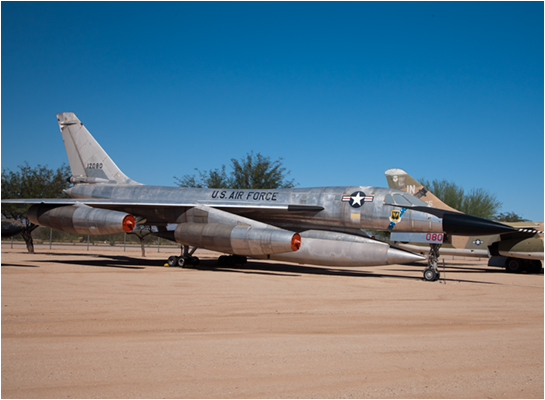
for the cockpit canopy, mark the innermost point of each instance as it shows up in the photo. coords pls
(403, 200)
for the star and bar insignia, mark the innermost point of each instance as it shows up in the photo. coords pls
(357, 199)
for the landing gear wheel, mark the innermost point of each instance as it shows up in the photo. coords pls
(514, 265)
(184, 261)
(431, 275)
(172, 261)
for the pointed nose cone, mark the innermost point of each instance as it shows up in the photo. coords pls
(468, 225)
(398, 256)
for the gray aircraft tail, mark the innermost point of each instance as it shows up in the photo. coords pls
(88, 160)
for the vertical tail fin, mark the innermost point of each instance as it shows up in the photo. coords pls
(399, 179)
(88, 160)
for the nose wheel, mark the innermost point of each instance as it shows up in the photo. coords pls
(431, 273)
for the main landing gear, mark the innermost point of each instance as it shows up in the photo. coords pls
(517, 265)
(431, 273)
(185, 259)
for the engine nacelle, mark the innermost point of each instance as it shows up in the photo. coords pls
(341, 249)
(83, 220)
(240, 240)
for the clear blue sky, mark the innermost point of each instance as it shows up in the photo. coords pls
(340, 91)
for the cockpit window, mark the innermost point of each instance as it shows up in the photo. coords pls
(401, 201)
(415, 201)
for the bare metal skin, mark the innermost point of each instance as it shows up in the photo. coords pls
(321, 225)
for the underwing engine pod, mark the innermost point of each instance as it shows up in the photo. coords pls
(81, 220)
(234, 239)
(342, 249)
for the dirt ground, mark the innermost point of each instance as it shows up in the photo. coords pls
(104, 324)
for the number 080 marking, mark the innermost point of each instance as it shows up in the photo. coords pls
(434, 237)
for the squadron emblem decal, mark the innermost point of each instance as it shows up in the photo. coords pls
(395, 215)
(357, 199)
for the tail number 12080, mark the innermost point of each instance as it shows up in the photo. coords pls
(93, 165)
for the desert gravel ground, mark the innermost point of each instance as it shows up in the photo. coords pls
(105, 324)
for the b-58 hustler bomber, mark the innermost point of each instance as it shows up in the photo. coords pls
(321, 226)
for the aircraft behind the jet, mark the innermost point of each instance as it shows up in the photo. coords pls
(11, 228)
(517, 251)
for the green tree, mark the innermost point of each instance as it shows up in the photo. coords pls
(31, 183)
(479, 202)
(509, 217)
(143, 233)
(216, 178)
(250, 172)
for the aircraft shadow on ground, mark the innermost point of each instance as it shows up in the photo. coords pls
(476, 269)
(256, 267)
(100, 260)
(20, 265)
(252, 267)
(263, 268)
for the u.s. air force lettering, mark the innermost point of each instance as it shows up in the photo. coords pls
(357, 199)
(241, 195)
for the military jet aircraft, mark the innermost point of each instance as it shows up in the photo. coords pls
(519, 250)
(321, 225)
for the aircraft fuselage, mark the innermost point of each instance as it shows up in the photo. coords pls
(333, 208)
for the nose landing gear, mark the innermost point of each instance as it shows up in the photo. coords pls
(431, 273)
